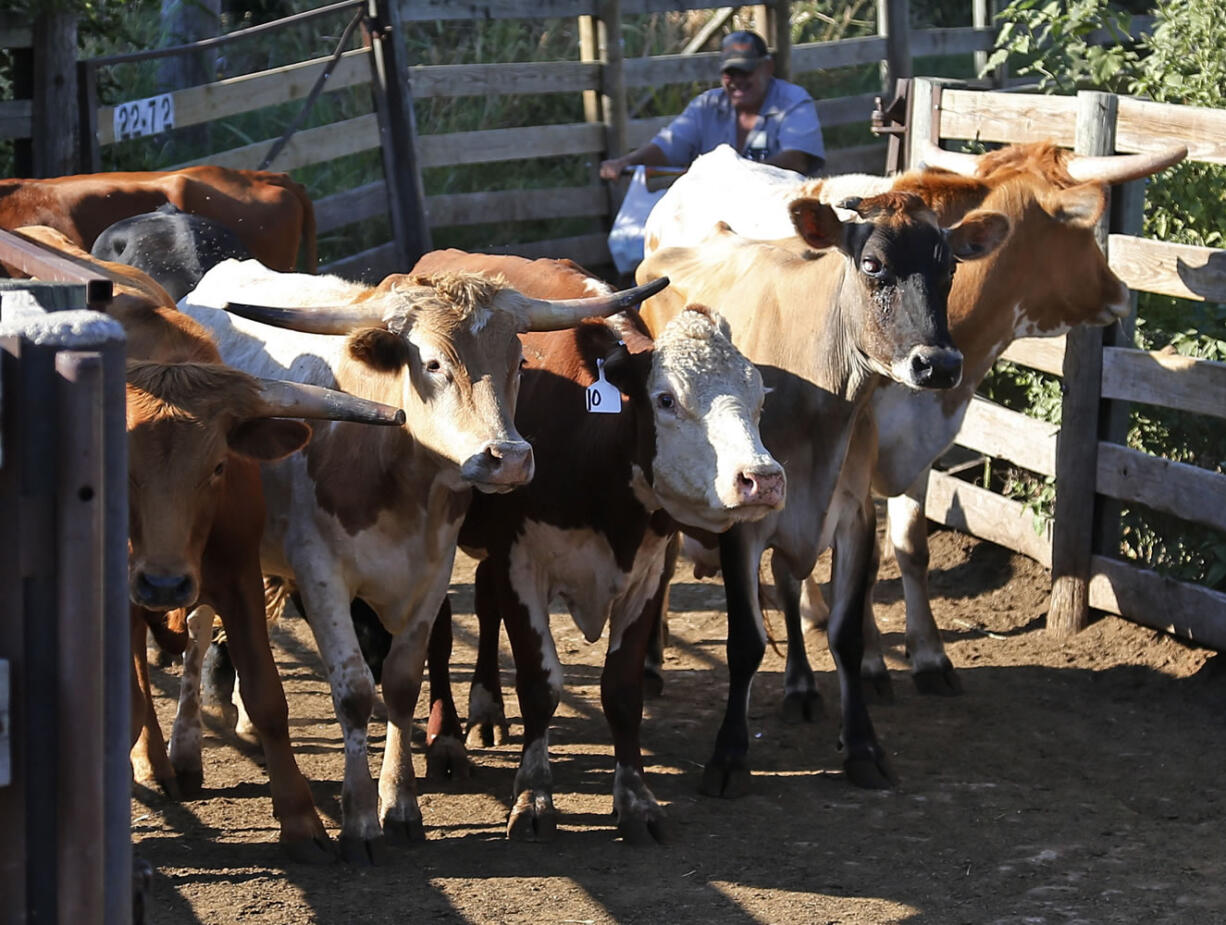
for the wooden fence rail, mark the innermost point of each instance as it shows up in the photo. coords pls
(1092, 464)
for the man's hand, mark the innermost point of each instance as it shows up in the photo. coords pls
(612, 169)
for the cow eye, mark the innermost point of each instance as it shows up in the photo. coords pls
(871, 266)
(433, 366)
(219, 469)
(666, 401)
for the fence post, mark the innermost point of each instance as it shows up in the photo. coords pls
(55, 93)
(923, 117)
(588, 28)
(613, 77)
(1077, 443)
(780, 37)
(983, 14)
(893, 24)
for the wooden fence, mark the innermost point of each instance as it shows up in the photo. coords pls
(65, 662)
(1091, 466)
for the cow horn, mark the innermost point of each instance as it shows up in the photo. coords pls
(556, 315)
(928, 154)
(284, 399)
(322, 319)
(1120, 168)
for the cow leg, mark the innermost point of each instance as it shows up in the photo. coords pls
(241, 605)
(640, 820)
(873, 673)
(538, 684)
(864, 759)
(150, 763)
(801, 700)
(185, 735)
(403, 668)
(487, 718)
(326, 608)
(727, 771)
(653, 668)
(446, 756)
(931, 669)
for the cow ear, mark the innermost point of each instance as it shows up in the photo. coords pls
(267, 439)
(1079, 206)
(627, 371)
(379, 349)
(978, 234)
(816, 223)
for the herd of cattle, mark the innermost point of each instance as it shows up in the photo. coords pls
(799, 346)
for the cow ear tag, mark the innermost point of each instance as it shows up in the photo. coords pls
(603, 397)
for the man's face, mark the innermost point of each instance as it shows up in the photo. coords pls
(747, 89)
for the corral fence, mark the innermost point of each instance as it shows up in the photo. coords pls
(1093, 469)
(611, 86)
(65, 663)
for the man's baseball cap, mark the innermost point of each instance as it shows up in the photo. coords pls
(742, 51)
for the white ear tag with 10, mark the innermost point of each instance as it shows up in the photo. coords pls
(603, 397)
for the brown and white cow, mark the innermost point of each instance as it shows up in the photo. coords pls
(372, 514)
(824, 327)
(594, 525)
(197, 430)
(271, 213)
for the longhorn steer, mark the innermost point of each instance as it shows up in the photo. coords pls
(270, 213)
(197, 430)
(376, 515)
(593, 526)
(823, 327)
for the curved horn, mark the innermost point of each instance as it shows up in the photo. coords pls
(1120, 168)
(928, 154)
(556, 315)
(284, 399)
(322, 319)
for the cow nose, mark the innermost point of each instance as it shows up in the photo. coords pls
(503, 464)
(163, 592)
(761, 485)
(935, 367)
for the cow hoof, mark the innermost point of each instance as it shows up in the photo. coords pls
(313, 851)
(191, 783)
(802, 707)
(939, 682)
(487, 735)
(404, 831)
(729, 781)
(447, 759)
(640, 830)
(877, 688)
(533, 818)
(653, 684)
(870, 770)
(170, 787)
(364, 852)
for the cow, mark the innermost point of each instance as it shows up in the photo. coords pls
(865, 301)
(197, 431)
(593, 526)
(376, 515)
(271, 214)
(174, 247)
(1049, 276)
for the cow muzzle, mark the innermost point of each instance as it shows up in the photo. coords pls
(930, 368)
(761, 487)
(500, 466)
(157, 590)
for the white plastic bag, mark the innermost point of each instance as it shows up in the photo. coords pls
(626, 238)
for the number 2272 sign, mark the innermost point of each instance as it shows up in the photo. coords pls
(144, 117)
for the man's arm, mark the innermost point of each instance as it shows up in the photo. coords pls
(649, 154)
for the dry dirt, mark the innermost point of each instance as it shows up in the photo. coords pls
(1071, 782)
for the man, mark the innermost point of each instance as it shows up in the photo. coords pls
(762, 117)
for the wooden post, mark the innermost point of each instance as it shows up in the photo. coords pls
(780, 37)
(588, 28)
(397, 131)
(1077, 444)
(613, 89)
(90, 157)
(893, 25)
(23, 89)
(55, 93)
(923, 116)
(983, 14)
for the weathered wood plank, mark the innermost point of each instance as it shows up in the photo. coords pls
(448, 80)
(16, 118)
(825, 56)
(985, 514)
(960, 40)
(1145, 597)
(1008, 117)
(842, 110)
(1179, 270)
(588, 250)
(509, 144)
(1149, 126)
(355, 205)
(1166, 379)
(1175, 488)
(1045, 354)
(868, 158)
(309, 146)
(996, 431)
(367, 266)
(515, 205)
(15, 35)
(432, 10)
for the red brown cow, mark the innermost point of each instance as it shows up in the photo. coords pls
(593, 526)
(271, 213)
(197, 430)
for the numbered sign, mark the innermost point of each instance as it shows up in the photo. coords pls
(144, 117)
(603, 396)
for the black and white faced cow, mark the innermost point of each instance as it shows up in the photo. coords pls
(351, 516)
(681, 446)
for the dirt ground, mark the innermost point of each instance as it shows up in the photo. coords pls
(1071, 782)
